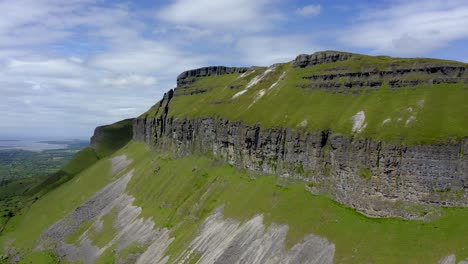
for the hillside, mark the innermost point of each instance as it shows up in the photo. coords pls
(408, 101)
(377, 133)
(105, 141)
(301, 162)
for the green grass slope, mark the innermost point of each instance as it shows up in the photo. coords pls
(110, 138)
(184, 191)
(438, 112)
(21, 193)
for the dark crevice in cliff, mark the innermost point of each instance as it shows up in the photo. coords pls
(393, 172)
(379, 148)
(325, 134)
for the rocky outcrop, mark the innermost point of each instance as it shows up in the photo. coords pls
(376, 178)
(395, 77)
(189, 77)
(320, 57)
(223, 240)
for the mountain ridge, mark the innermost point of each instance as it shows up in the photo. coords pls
(349, 165)
(270, 165)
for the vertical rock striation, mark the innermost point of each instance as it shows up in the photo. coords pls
(376, 178)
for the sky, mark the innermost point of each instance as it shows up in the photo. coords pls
(69, 66)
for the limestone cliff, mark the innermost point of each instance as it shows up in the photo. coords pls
(375, 177)
(190, 76)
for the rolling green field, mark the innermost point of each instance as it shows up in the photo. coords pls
(15, 163)
(23, 172)
(184, 191)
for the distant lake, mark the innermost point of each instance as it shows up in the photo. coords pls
(30, 145)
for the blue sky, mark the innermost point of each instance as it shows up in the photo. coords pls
(68, 66)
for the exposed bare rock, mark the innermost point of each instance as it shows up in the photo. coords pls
(129, 226)
(448, 260)
(189, 77)
(396, 77)
(229, 241)
(320, 57)
(398, 175)
(119, 163)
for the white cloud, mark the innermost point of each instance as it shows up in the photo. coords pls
(82, 63)
(309, 10)
(44, 73)
(409, 27)
(147, 57)
(131, 80)
(30, 22)
(193, 32)
(267, 50)
(243, 15)
(56, 67)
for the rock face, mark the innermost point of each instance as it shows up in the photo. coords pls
(396, 77)
(223, 240)
(321, 57)
(376, 178)
(189, 77)
(340, 79)
(131, 227)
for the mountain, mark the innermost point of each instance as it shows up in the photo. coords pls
(333, 157)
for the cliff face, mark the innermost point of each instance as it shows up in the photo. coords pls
(323, 57)
(189, 77)
(375, 177)
(363, 174)
(399, 77)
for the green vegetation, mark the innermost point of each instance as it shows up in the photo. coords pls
(74, 237)
(365, 173)
(438, 112)
(183, 183)
(133, 248)
(187, 190)
(22, 173)
(360, 62)
(100, 238)
(112, 137)
(55, 204)
(82, 160)
(17, 194)
(15, 164)
(43, 257)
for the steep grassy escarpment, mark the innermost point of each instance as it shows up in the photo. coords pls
(377, 133)
(283, 95)
(110, 138)
(180, 194)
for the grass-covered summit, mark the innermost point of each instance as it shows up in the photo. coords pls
(413, 101)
